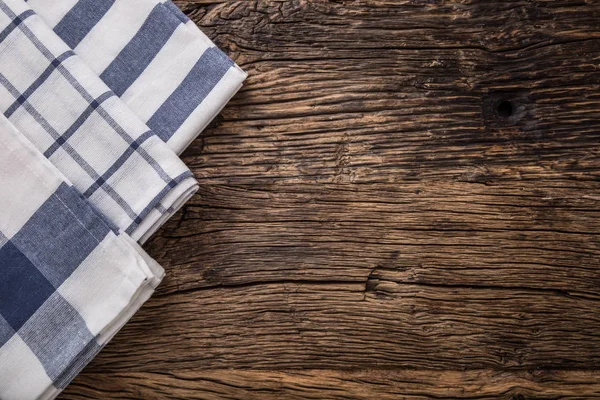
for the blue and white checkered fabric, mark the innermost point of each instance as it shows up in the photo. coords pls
(152, 56)
(68, 279)
(119, 165)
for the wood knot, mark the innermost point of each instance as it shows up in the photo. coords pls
(506, 109)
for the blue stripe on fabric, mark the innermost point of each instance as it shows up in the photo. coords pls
(204, 76)
(81, 19)
(58, 219)
(56, 333)
(24, 287)
(47, 127)
(175, 10)
(88, 97)
(161, 209)
(156, 201)
(6, 331)
(37, 83)
(141, 50)
(18, 20)
(105, 115)
(147, 157)
(61, 140)
(118, 163)
(85, 356)
(91, 209)
(94, 221)
(67, 147)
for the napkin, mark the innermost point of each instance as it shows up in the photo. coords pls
(152, 56)
(118, 164)
(69, 279)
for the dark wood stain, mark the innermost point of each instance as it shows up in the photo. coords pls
(369, 226)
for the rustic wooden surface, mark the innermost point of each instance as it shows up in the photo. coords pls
(368, 225)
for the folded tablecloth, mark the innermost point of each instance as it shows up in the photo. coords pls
(68, 279)
(97, 97)
(152, 56)
(120, 165)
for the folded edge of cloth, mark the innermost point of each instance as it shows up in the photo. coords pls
(152, 56)
(69, 281)
(50, 94)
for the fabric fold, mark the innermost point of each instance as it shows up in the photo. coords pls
(69, 279)
(116, 161)
(152, 56)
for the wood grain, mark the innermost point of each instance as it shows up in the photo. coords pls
(368, 225)
(328, 384)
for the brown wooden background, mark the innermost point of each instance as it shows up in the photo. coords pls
(368, 226)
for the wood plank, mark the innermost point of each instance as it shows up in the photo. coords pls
(385, 323)
(335, 384)
(378, 91)
(539, 235)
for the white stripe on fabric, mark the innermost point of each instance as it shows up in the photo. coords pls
(109, 288)
(118, 26)
(21, 374)
(160, 78)
(53, 14)
(202, 115)
(20, 188)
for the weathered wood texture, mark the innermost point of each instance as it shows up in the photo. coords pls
(369, 226)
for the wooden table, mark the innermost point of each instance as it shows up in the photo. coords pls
(403, 202)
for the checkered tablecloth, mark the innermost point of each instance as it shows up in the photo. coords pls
(151, 55)
(119, 164)
(68, 278)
